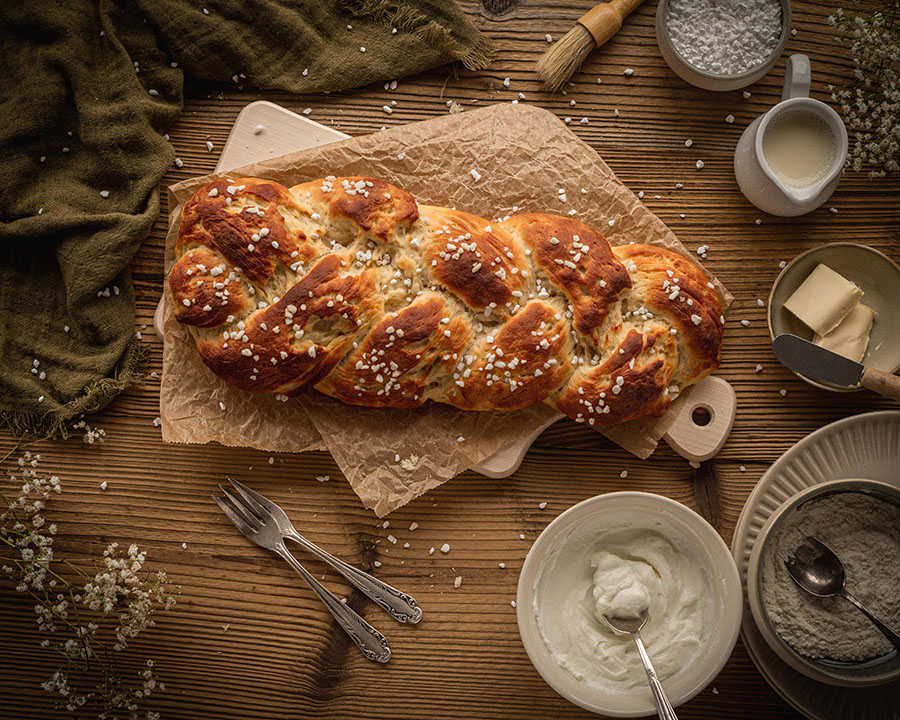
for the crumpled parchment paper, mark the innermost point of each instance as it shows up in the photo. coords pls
(521, 156)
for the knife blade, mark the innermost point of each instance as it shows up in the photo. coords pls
(816, 362)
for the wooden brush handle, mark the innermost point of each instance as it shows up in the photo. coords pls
(604, 20)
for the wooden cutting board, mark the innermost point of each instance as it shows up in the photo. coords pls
(704, 417)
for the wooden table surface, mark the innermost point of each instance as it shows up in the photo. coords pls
(247, 638)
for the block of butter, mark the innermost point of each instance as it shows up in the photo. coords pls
(851, 337)
(823, 300)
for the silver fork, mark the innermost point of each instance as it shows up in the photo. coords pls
(262, 529)
(400, 605)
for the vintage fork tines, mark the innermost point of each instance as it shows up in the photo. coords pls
(400, 605)
(265, 533)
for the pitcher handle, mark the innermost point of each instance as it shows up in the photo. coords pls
(797, 77)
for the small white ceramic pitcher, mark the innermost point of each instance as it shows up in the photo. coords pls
(756, 178)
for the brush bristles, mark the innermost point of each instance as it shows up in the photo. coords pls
(560, 62)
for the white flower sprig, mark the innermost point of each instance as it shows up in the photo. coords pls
(90, 614)
(871, 105)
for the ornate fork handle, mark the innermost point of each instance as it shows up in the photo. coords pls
(399, 605)
(373, 644)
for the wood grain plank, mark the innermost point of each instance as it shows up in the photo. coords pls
(281, 656)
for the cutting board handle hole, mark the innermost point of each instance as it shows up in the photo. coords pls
(701, 416)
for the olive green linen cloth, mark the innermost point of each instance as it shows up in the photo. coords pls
(87, 88)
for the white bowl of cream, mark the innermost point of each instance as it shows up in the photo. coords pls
(618, 554)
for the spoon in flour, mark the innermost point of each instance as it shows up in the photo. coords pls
(816, 569)
(632, 626)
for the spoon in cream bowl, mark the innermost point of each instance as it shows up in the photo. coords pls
(817, 569)
(632, 626)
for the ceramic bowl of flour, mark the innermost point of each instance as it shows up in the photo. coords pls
(827, 639)
(688, 42)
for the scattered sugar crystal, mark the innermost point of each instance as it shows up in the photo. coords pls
(445, 548)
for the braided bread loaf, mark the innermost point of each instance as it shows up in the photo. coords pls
(348, 286)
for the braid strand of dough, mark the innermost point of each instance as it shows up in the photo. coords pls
(349, 286)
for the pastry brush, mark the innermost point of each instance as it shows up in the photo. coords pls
(593, 29)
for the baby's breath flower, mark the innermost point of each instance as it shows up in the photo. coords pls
(872, 105)
(120, 589)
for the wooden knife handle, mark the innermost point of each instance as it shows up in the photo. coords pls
(881, 382)
(604, 20)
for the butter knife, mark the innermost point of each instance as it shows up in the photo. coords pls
(822, 365)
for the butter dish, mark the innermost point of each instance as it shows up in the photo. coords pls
(876, 275)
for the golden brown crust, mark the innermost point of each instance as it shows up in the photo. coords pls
(347, 285)
(292, 344)
(374, 206)
(205, 289)
(402, 355)
(517, 366)
(241, 220)
(479, 263)
(578, 260)
(672, 286)
(633, 381)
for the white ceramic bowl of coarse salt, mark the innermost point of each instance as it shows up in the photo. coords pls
(827, 639)
(722, 44)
